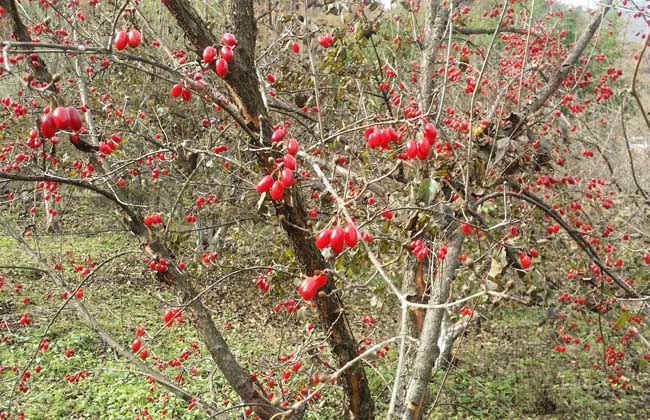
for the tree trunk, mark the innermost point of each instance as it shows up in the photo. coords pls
(243, 85)
(428, 350)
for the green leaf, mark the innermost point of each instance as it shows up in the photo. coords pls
(622, 320)
(428, 190)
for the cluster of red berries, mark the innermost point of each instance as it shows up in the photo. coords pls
(107, 147)
(131, 38)
(62, 118)
(171, 315)
(288, 163)
(159, 265)
(326, 40)
(154, 219)
(381, 137)
(137, 344)
(419, 249)
(225, 54)
(337, 238)
(310, 285)
(421, 148)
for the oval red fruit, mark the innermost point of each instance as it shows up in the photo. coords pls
(134, 38)
(209, 54)
(143, 354)
(48, 126)
(411, 149)
(229, 39)
(226, 53)
(287, 177)
(177, 90)
(278, 134)
(308, 288)
(289, 162)
(337, 239)
(121, 39)
(61, 118)
(292, 147)
(323, 239)
(75, 118)
(221, 67)
(135, 346)
(351, 236)
(295, 47)
(524, 259)
(264, 184)
(277, 190)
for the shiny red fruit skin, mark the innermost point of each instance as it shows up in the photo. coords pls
(289, 162)
(177, 90)
(524, 260)
(287, 178)
(337, 239)
(135, 346)
(277, 191)
(295, 47)
(308, 288)
(75, 118)
(351, 236)
(209, 54)
(48, 126)
(292, 147)
(229, 39)
(226, 53)
(323, 239)
(221, 67)
(121, 40)
(61, 118)
(411, 149)
(134, 38)
(264, 184)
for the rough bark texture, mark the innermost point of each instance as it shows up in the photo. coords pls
(243, 85)
(428, 349)
(41, 72)
(435, 24)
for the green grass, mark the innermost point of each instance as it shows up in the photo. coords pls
(504, 369)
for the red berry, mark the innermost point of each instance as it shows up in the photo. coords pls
(351, 236)
(121, 39)
(323, 239)
(229, 39)
(135, 346)
(264, 184)
(75, 118)
(143, 354)
(292, 147)
(289, 162)
(287, 177)
(61, 118)
(226, 53)
(278, 134)
(221, 67)
(277, 191)
(411, 149)
(177, 90)
(209, 54)
(337, 239)
(467, 229)
(48, 126)
(524, 259)
(308, 288)
(134, 38)
(295, 47)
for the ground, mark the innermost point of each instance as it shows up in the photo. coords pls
(505, 366)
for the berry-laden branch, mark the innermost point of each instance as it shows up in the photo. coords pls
(242, 83)
(531, 198)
